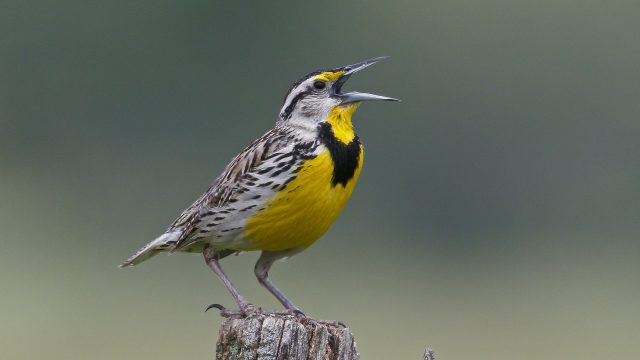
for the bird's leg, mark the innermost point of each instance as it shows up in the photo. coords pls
(211, 258)
(262, 273)
(267, 258)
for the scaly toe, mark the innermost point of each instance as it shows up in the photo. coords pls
(250, 309)
(293, 312)
(333, 323)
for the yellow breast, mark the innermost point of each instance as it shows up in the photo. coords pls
(304, 210)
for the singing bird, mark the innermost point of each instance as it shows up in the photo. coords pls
(282, 192)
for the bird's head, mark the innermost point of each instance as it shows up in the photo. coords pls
(317, 96)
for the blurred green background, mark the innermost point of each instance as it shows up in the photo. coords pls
(497, 217)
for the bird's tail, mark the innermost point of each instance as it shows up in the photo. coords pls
(162, 242)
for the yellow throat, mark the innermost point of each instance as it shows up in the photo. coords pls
(340, 121)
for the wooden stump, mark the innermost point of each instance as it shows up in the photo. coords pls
(276, 336)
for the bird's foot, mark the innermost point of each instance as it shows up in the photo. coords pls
(304, 318)
(245, 310)
(292, 312)
(332, 323)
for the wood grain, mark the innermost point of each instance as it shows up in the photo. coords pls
(286, 337)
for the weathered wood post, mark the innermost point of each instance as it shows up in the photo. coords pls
(284, 337)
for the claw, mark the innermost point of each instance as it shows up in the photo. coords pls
(217, 306)
(298, 313)
(246, 311)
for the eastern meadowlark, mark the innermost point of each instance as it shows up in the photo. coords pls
(282, 192)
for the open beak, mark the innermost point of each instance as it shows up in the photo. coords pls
(354, 96)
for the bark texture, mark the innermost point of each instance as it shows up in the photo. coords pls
(276, 336)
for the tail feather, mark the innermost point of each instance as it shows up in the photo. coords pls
(161, 243)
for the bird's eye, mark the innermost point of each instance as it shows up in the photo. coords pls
(319, 85)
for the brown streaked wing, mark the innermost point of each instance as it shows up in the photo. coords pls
(219, 192)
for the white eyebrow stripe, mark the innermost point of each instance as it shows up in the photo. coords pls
(300, 89)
